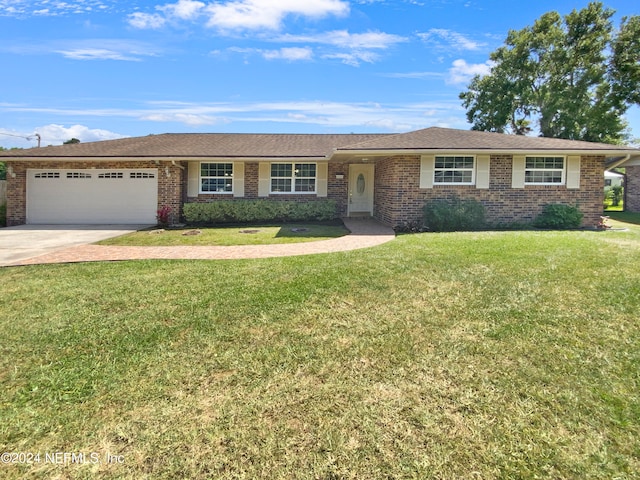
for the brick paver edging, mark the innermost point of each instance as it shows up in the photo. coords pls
(364, 234)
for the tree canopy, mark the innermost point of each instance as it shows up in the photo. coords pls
(570, 77)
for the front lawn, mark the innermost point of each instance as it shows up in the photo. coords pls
(455, 355)
(236, 235)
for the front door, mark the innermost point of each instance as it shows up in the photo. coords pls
(361, 189)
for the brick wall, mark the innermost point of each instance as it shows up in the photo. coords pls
(399, 199)
(170, 184)
(336, 189)
(632, 189)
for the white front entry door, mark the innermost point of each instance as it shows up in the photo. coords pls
(361, 176)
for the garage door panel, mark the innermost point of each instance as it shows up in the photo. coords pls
(92, 196)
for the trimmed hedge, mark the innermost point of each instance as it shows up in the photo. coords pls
(559, 216)
(243, 211)
(454, 214)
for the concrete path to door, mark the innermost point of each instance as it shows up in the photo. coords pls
(20, 243)
(364, 233)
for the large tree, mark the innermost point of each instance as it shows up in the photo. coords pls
(568, 77)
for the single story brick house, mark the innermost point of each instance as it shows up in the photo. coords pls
(386, 176)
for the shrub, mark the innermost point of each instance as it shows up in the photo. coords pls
(163, 215)
(454, 214)
(250, 211)
(558, 216)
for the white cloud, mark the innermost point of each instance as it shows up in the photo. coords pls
(344, 39)
(185, 118)
(18, 8)
(54, 134)
(99, 49)
(354, 59)
(238, 14)
(463, 72)
(269, 14)
(95, 54)
(146, 20)
(290, 54)
(184, 9)
(452, 39)
(332, 115)
(358, 46)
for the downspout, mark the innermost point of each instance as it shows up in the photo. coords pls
(173, 162)
(618, 162)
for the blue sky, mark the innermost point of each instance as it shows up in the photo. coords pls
(103, 69)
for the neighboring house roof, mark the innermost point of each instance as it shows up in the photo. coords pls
(317, 146)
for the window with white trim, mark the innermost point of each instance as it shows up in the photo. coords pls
(454, 170)
(293, 177)
(216, 178)
(544, 171)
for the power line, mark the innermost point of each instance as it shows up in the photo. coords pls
(30, 137)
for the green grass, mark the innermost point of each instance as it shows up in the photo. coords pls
(459, 355)
(608, 207)
(237, 235)
(624, 217)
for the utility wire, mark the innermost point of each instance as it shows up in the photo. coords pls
(30, 137)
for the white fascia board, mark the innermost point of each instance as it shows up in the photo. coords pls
(163, 159)
(470, 151)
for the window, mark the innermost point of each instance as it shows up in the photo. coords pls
(454, 170)
(111, 175)
(78, 175)
(544, 170)
(216, 177)
(47, 175)
(293, 178)
(135, 175)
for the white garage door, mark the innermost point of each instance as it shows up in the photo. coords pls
(93, 196)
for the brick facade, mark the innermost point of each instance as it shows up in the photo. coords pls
(632, 189)
(336, 189)
(399, 198)
(170, 183)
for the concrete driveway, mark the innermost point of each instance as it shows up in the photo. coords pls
(27, 241)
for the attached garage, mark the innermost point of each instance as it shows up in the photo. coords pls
(92, 196)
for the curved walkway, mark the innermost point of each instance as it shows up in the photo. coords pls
(364, 233)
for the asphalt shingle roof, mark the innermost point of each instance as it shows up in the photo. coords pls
(436, 138)
(245, 145)
(204, 145)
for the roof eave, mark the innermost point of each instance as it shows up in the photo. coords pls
(507, 151)
(182, 158)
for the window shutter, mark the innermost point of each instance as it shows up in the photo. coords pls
(427, 166)
(517, 173)
(238, 179)
(264, 174)
(573, 171)
(483, 171)
(193, 179)
(323, 175)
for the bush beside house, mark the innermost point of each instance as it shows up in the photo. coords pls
(251, 211)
